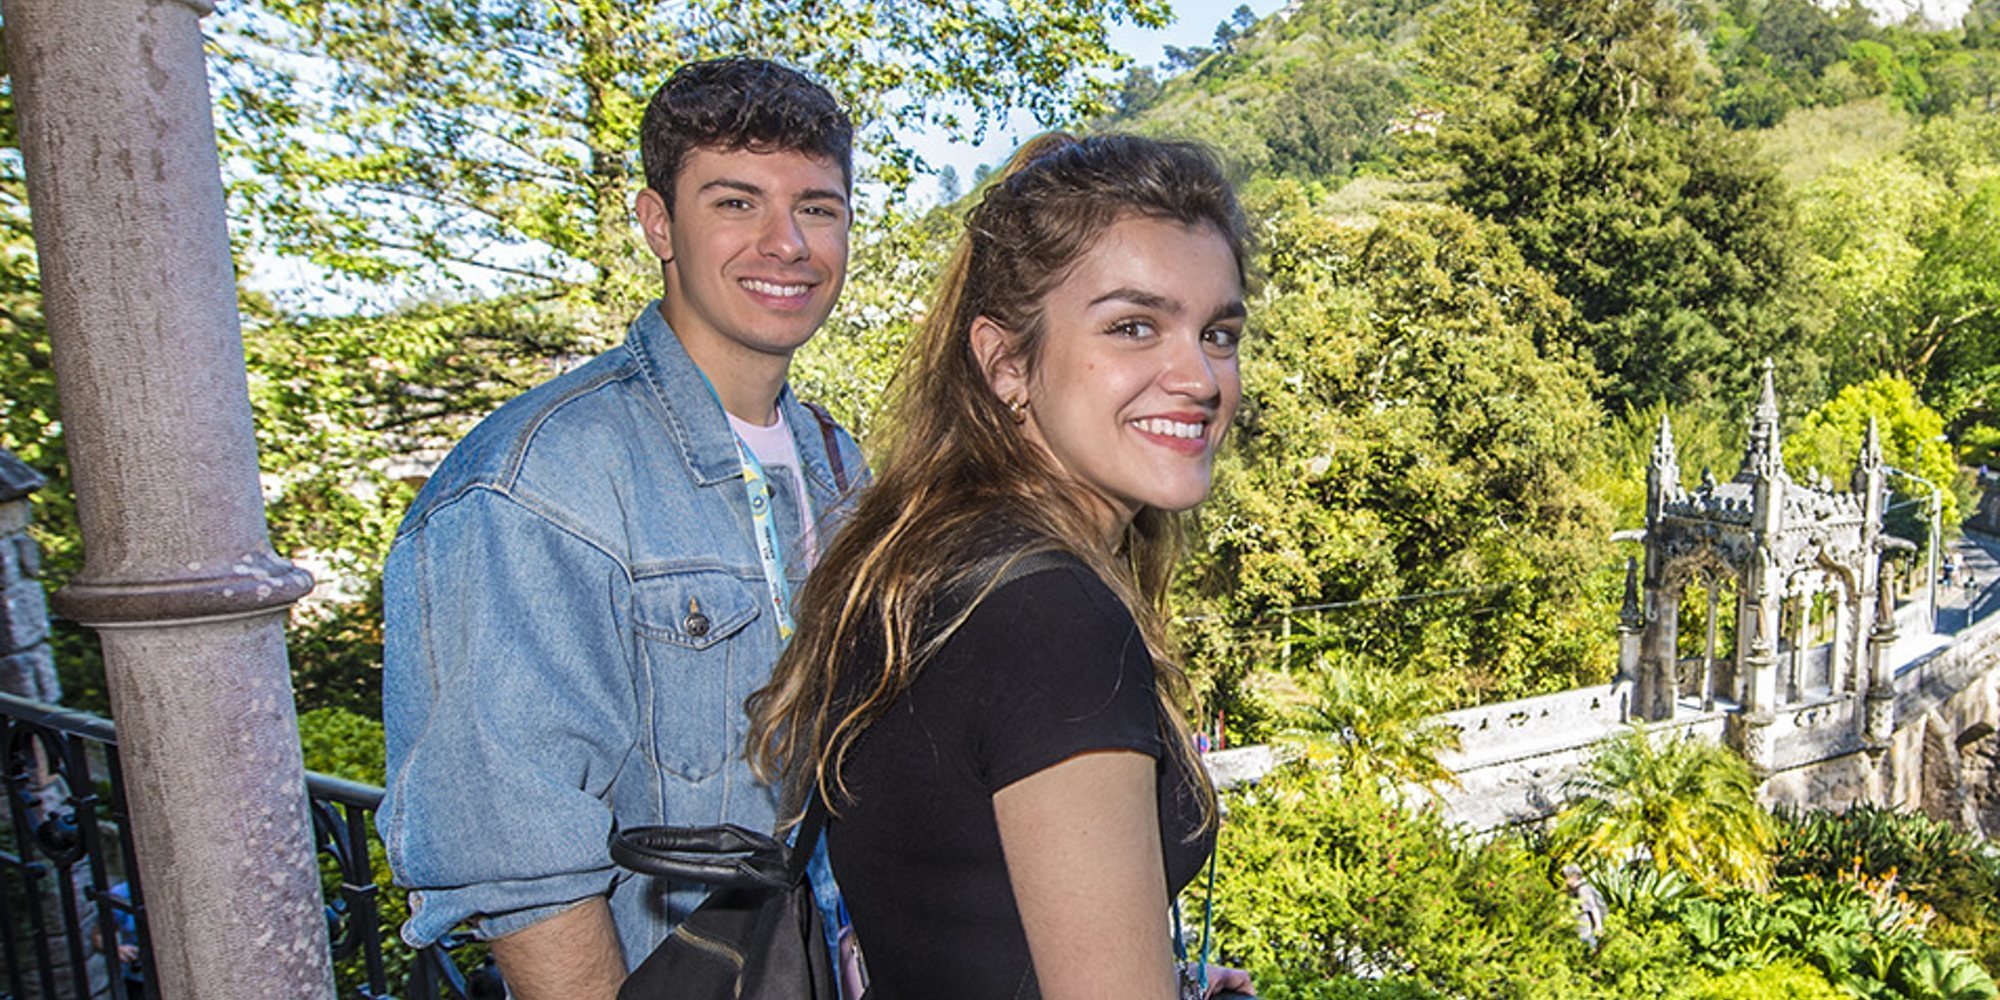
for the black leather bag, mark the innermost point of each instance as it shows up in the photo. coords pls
(758, 935)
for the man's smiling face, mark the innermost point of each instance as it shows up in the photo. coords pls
(754, 250)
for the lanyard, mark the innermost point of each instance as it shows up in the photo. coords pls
(764, 525)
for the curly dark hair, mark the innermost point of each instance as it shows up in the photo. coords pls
(740, 103)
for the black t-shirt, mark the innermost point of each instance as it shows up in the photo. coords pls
(1048, 666)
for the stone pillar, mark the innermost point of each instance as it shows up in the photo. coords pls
(1631, 625)
(1986, 516)
(1707, 690)
(1748, 730)
(179, 578)
(1795, 663)
(1879, 724)
(1658, 687)
(27, 667)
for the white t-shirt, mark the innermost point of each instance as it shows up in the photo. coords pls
(774, 447)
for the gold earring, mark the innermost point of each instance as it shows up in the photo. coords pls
(1018, 409)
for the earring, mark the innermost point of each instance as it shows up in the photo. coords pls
(1018, 409)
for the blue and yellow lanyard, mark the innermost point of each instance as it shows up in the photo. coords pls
(764, 526)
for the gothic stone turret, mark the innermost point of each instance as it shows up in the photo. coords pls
(1778, 543)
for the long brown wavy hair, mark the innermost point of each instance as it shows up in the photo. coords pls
(958, 468)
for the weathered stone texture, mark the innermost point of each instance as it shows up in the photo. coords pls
(1987, 517)
(13, 517)
(27, 667)
(31, 673)
(24, 615)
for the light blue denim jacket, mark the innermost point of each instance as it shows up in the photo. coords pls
(574, 615)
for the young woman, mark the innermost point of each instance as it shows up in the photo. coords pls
(1014, 794)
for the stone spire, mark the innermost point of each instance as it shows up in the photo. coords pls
(1871, 457)
(1663, 475)
(1631, 616)
(1764, 458)
(1664, 456)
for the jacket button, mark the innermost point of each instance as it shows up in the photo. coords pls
(696, 623)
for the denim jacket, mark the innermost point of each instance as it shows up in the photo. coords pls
(574, 613)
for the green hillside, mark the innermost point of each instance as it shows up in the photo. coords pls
(1501, 240)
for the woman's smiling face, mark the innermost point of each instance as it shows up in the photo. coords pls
(1135, 382)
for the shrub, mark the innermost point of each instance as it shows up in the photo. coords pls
(1932, 863)
(1784, 980)
(1321, 879)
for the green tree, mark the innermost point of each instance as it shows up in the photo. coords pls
(433, 138)
(1373, 723)
(1829, 440)
(1407, 454)
(1689, 804)
(1907, 246)
(1338, 117)
(1866, 226)
(30, 426)
(1581, 127)
(1957, 299)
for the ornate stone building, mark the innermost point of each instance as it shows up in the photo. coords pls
(1795, 571)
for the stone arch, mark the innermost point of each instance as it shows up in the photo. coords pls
(1821, 645)
(1705, 652)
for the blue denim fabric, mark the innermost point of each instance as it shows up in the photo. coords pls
(574, 616)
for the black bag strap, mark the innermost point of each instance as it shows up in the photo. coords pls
(718, 856)
(1002, 570)
(830, 431)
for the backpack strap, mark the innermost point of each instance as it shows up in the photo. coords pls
(830, 431)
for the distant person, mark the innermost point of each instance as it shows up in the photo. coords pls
(125, 949)
(1013, 789)
(1590, 908)
(584, 593)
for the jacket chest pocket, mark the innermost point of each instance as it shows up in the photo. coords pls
(700, 663)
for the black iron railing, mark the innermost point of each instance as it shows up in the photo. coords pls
(72, 899)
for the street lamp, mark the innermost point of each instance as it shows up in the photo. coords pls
(1937, 531)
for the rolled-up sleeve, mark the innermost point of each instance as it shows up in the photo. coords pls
(509, 707)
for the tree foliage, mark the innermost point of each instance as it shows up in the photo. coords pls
(1828, 442)
(1373, 724)
(1907, 246)
(1406, 452)
(1582, 128)
(1321, 881)
(419, 139)
(1688, 805)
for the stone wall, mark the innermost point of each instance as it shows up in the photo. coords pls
(1943, 757)
(27, 667)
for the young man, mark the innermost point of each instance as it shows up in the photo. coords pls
(590, 585)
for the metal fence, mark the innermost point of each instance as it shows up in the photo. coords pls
(73, 902)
